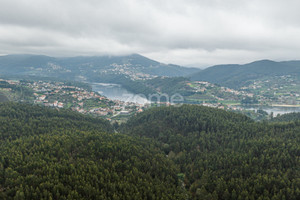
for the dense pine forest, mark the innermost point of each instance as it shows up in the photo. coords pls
(187, 152)
(3, 98)
(50, 154)
(287, 117)
(223, 155)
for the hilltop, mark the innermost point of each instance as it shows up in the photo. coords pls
(242, 75)
(132, 66)
(224, 155)
(187, 152)
(50, 154)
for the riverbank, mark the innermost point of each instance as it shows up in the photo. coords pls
(286, 105)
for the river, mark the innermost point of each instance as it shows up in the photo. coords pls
(117, 92)
(274, 109)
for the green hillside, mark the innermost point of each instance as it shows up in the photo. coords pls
(241, 75)
(187, 152)
(87, 66)
(223, 155)
(50, 154)
(169, 85)
(287, 117)
(3, 98)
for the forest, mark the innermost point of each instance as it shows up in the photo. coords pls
(287, 117)
(3, 98)
(50, 154)
(224, 155)
(186, 152)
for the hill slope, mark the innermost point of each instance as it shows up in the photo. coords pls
(214, 154)
(241, 75)
(50, 154)
(223, 155)
(289, 117)
(3, 98)
(71, 67)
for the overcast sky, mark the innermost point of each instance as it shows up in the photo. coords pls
(186, 32)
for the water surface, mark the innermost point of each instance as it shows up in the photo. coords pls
(117, 92)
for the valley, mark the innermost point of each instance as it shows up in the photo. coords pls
(68, 140)
(68, 96)
(149, 100)
(150, 83)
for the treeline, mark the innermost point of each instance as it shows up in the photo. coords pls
(287, 117)
(3, 98)
(19, 92)
(51, 154)
(187, 152)
(223, 155)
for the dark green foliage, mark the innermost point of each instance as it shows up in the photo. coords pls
(3, 98)
(235, 76)
(27, 120)
(214, 154)
(50, 154)
(224, 155)
(287, 117)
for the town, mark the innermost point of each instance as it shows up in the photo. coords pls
(61, 95)
(260, 92)
(80, 97)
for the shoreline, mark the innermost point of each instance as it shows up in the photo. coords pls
(286, 105)
(270, 105)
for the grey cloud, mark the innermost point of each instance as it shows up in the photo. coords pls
(173, 31)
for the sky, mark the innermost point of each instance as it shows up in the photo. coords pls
(196, 33)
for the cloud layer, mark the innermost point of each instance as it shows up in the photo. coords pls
(186, 32)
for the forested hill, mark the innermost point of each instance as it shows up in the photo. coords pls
(287, 117)
(3, 98)
(87, 66)
(50, 154)
(184, 119)
(240, 75)
(187, 152)
(223, 155)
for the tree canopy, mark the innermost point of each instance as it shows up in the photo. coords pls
(50, 154)
(223, 155)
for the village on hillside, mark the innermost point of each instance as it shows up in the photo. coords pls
(60, 95)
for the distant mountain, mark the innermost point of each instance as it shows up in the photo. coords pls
(240, 75)
(87, 67)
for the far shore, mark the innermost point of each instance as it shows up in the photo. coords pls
(286, 105)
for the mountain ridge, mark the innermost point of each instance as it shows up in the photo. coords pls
(30, 64)
(236, 75)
